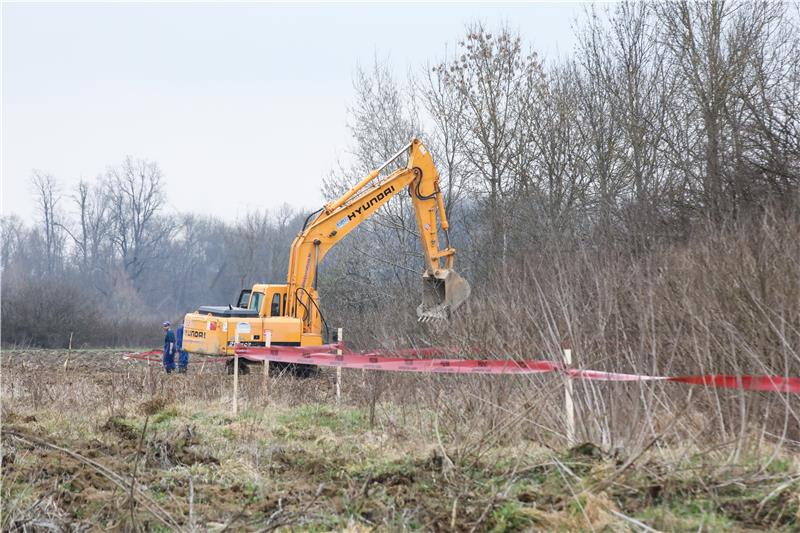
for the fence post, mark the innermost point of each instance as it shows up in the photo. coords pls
(235, 372)
(569, 404)
(267, 344)
(69, 352)
(339, 369)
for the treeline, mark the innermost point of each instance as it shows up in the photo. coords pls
(666, 118)
(108, 263)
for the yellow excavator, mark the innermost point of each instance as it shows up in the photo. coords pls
(290, 314)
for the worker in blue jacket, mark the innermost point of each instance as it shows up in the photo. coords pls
(183, 355)
(169, 348)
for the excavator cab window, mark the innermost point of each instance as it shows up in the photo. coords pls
(275, 307)
(255, 301)
(244, 297)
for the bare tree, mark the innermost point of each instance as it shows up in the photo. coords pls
(93, 223)
(251, 248)
(715, 46)
(448, 138)
(47, 198)
(768, 130)
(559, 182)
(629, 91)
(285, 224)
(497, 82)
(135, 196)
(12, 239)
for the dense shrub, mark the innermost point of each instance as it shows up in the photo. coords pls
(46, 312)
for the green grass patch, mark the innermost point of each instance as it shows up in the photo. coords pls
(511, 516)
(379, 468)
(160, 494)
(252, 414)
(697, 515)
(310, 417)
(165, 416)
(325, 524)
(780, 465)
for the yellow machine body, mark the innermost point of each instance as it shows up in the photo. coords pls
(291, 312)
(215, 330)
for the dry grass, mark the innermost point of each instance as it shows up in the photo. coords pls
(723, 301)
(445, 453)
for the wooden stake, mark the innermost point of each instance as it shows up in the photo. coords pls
(267, 344)
(235, 373)
(69, 352)
(569, 404)
(339, 369)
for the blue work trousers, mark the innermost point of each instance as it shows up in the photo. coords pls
(169, 360)
(183, 359)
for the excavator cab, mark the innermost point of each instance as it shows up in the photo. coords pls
(442, 293)
(244, 299)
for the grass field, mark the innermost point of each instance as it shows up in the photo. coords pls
(94, 442)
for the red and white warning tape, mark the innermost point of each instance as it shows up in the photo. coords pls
(424, 361)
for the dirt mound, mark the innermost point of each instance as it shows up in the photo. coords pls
(120, 427)
(154, 405)
(79, 478)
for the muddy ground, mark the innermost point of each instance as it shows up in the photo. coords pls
(93, 442)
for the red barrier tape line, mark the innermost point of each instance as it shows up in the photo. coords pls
(599, 375)
(323, 348)
(442, 366)
(378, 360)
(752, 383)
(142, 356)
(755, 383)
(499, 366)
(293, 351)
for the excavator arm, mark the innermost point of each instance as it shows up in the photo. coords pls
(443, 289)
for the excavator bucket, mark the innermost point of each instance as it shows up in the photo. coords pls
(442, 293)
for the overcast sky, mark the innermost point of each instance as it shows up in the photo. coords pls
(242, 105)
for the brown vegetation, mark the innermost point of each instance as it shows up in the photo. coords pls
(94, 442)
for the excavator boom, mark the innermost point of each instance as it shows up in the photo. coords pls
(443, 289)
